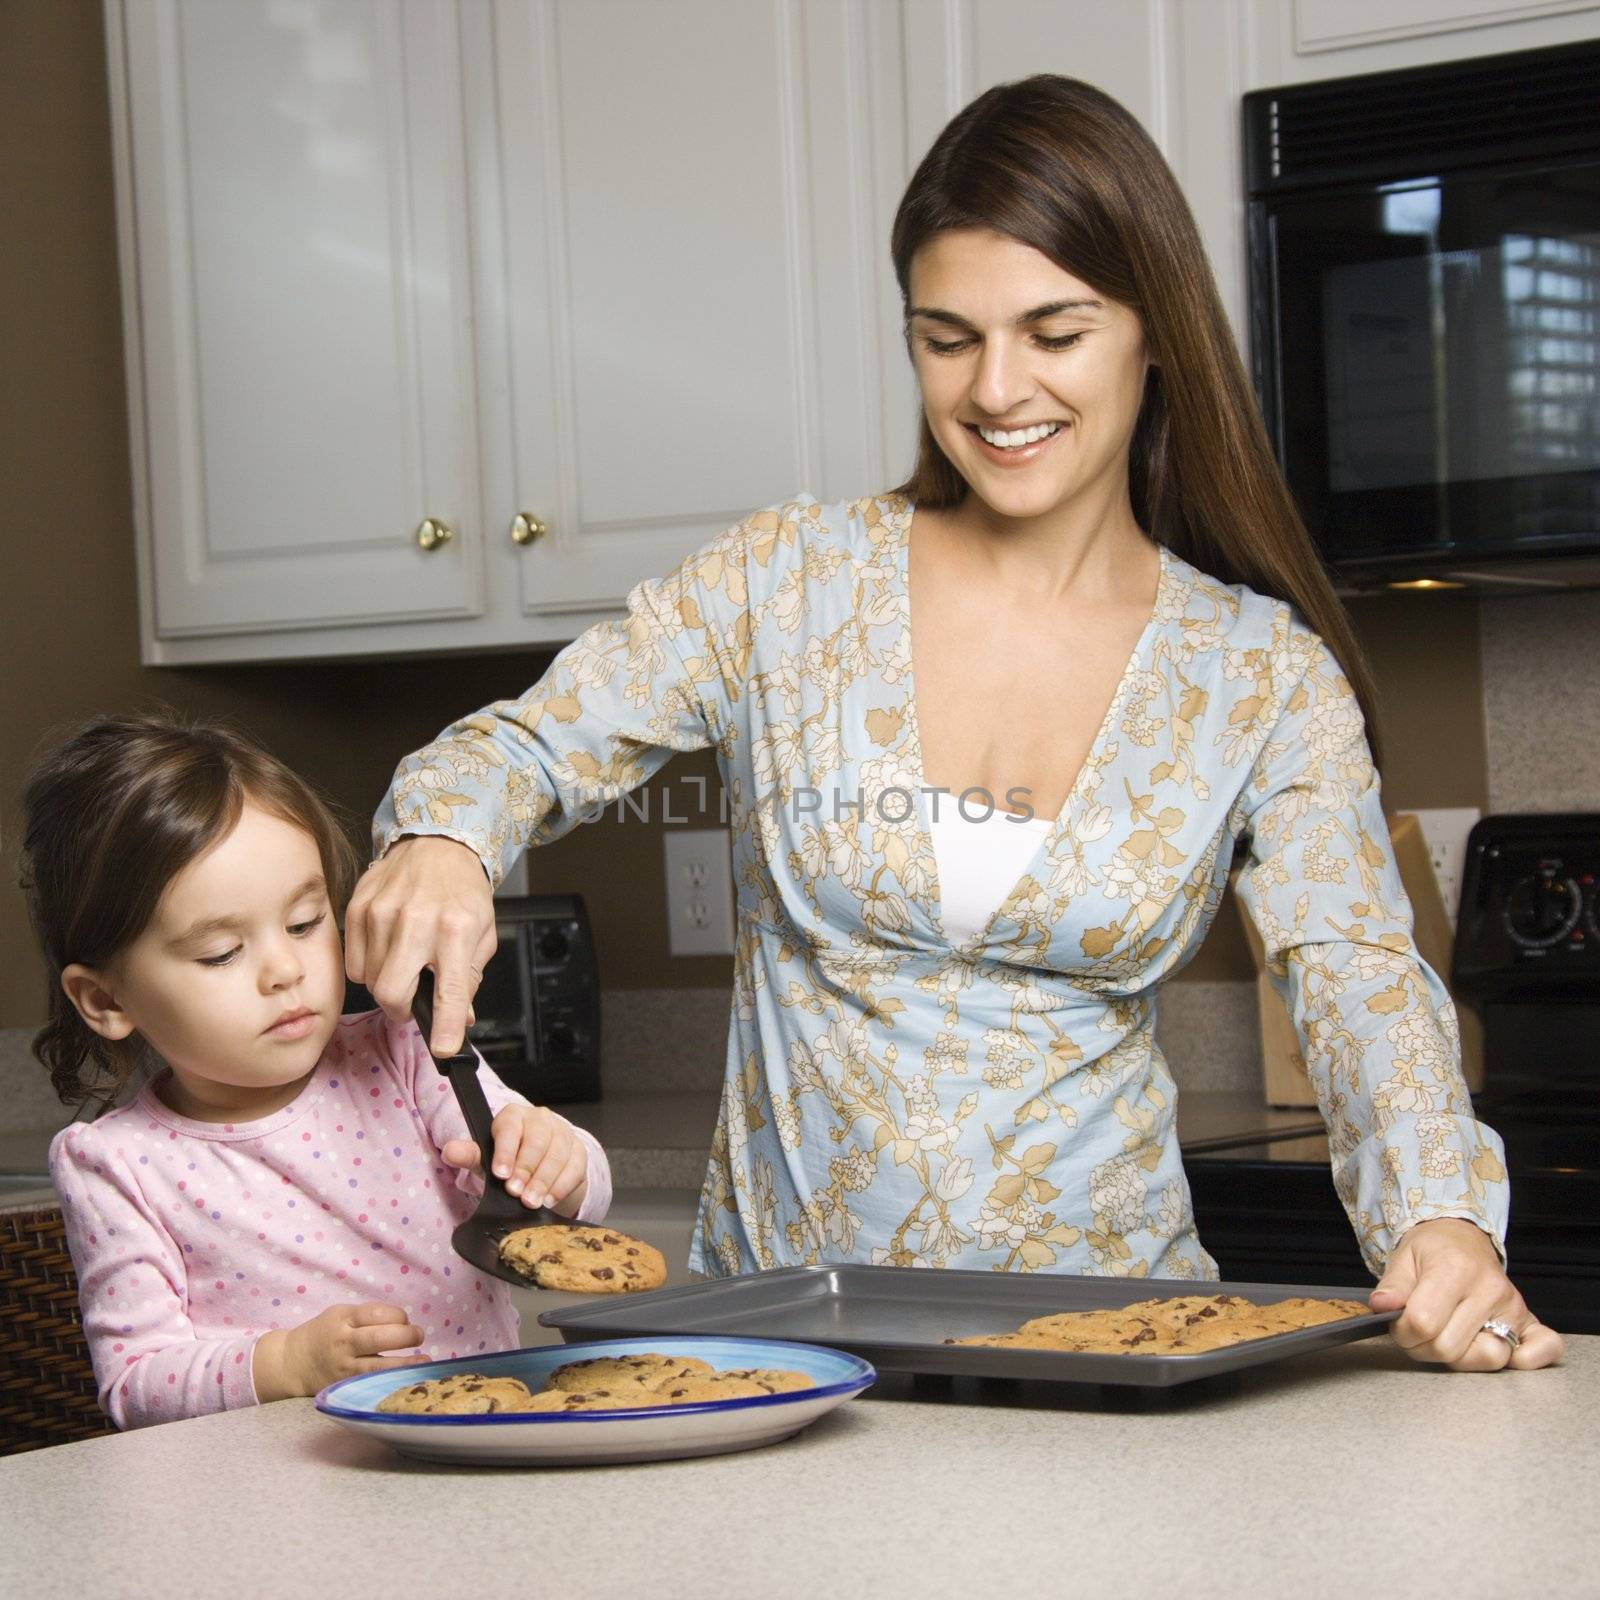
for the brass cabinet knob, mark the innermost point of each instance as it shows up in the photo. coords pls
(525, 528)
(432, 533)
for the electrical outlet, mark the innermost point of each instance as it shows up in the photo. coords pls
(1446, 834)
(699, 891)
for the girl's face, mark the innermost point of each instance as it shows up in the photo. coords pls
(1031, 380)
(238, 981)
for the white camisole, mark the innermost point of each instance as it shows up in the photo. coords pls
(979, 864)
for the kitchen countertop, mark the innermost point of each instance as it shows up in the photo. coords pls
(659, 1141)
(1350, 1469)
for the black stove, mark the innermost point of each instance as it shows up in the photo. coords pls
(1527, 959)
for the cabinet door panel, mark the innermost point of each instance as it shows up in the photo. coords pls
(298, 209)
(696, 246)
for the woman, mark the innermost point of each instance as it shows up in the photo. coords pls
(1125, 660)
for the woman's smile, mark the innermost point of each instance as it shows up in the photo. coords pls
(1016, 447)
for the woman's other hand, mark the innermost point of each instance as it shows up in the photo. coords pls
(536, 1153)
(1446, 1276)
(426, 903)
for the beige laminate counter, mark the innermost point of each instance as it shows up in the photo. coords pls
(1348, 1472)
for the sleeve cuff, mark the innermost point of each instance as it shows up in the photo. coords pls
(597, 1181)
(385, 838)
(1424, 1167)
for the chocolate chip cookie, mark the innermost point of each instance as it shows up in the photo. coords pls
(583, 1260)
(464, 1394)
(606, 1371)
(649, 1379)
(719, 1386)
(776, 1380)
(1184, 1325)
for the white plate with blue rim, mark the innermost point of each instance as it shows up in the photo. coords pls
(580, 1438)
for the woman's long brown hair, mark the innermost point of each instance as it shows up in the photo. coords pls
(1061, 166)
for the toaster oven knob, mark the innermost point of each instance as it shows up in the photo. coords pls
(553, 945)
(562, 1040)
(1542, 909)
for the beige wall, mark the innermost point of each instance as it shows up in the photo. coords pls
(67, 591)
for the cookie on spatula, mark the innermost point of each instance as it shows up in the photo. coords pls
(583, 1260)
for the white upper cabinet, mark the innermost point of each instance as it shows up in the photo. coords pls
(615, 268)
(298, 314)
(694, 252)
(580, 281)
(1409, 33)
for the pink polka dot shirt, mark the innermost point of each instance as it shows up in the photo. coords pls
(191, 1239)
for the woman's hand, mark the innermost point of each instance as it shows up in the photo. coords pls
(538, 1154)
(1447, 1276)
(426, 903)
(337, 1343)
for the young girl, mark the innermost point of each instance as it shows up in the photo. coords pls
(273, 1209)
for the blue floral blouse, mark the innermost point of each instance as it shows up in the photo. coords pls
(1000, 1103)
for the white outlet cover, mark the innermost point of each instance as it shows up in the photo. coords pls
(1445, 829)
(699, 891)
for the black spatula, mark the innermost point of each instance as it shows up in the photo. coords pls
(499, 1211)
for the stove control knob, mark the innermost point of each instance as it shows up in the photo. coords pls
(1542, 909)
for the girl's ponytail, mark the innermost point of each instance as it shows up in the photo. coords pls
(82, 1065)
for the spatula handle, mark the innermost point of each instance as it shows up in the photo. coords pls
(462, 1071)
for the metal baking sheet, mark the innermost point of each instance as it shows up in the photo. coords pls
(899, 1317)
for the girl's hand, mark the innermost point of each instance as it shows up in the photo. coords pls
(427, 903)
(1447, 1276)
(336, 1343)
(538, 1155)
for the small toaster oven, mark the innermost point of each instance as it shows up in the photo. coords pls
(538, 1007)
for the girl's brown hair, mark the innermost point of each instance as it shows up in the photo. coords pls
(1061, 166)
(112, 813)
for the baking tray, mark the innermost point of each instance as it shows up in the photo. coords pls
(899, 1317)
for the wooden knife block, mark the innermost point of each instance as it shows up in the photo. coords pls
(1283, 1068)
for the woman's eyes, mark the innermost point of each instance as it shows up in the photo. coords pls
(299, 930)
(951, 347)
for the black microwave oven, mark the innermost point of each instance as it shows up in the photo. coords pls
(1424, 288)
(538, 1007)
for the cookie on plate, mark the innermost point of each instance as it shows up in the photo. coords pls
(778, 1380)
(646, 1368)
(628, 1395)
(463, 1394)
(719, 1386)
(583, 1260)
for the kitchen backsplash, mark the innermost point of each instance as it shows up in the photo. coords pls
(675, 1040)
(1541, 701)
(655, 1039)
